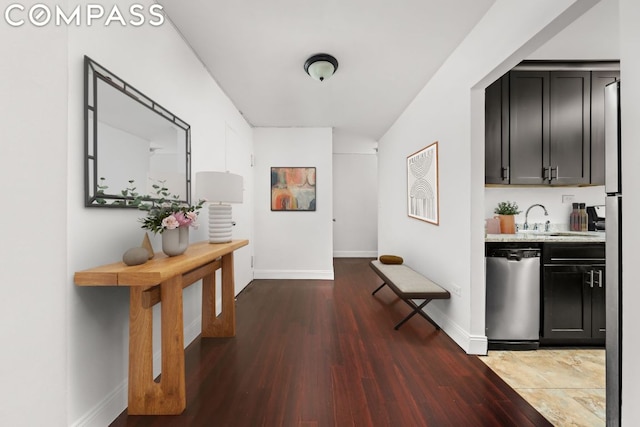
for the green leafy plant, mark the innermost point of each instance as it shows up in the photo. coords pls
(165, 211)
(129, 195)
(507, 208)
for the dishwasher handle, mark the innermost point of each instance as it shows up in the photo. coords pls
(514, 254)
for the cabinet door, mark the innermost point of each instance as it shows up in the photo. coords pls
(598, 308)
(566, 302)
(528, 126)
(599, 79)
(496, 138)
(569, 127)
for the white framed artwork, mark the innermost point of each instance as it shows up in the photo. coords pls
(422, 185)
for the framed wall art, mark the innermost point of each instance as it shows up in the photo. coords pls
(422, 185)
(293, 189)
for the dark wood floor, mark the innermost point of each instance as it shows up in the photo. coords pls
(324, 353)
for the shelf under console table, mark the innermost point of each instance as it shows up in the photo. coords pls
(162, 279)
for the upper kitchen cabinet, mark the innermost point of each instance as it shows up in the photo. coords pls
(529, 127)
(539, 126)
(496, 129)
(599, 79)
(569, 127)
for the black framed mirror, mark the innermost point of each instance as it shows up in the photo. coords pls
(133, 145)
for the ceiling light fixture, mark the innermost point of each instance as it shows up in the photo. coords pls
(321, 66)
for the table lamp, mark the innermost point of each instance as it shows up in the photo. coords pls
(219, 189)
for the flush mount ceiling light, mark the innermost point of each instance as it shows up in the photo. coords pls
(321, 66)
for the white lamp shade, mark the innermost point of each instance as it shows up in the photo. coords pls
(222, 187)
(218, 188)
(321, 70)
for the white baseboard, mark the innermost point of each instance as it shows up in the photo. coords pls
(106, 411)
(471, 344)
(355, 254)
(294, 274)
(478, 345)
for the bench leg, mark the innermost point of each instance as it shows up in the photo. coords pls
(417, 309)
(378, 288)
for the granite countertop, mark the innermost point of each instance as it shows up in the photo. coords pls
(552, 236)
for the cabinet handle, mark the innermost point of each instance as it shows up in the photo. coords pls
(600, 278)
(551, 169)
(590, 281)
(505, 173)
(545, 176)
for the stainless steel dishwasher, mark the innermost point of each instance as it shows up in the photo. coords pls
(513, 298)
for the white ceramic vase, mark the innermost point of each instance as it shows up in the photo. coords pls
(175, 241)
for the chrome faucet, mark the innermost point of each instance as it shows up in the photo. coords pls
(526, 217)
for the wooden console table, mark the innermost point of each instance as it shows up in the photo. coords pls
(162, 279)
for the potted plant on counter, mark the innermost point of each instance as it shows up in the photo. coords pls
(507, 211)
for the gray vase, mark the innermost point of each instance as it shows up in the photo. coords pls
(176, 241)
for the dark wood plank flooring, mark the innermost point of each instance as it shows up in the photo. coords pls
(324, 353)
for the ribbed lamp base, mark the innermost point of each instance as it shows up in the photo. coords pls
(220, 223)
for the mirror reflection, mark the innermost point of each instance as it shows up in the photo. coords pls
(132, 143)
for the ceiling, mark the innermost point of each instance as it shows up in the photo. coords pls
(387, 51)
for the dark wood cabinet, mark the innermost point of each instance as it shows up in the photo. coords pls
(599, 79)
(598, 307)
(528, 126)
(546, 127)
(549, 127)
(569, 127)
(497, 132)
(573, 294)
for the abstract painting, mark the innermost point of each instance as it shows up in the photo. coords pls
(422, 185)
(293, 189)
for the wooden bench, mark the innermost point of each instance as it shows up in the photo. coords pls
(409, 285)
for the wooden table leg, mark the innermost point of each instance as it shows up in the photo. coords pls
(141, 382)
(168, 396)
(225, 324)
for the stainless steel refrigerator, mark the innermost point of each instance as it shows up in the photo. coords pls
(613, 228)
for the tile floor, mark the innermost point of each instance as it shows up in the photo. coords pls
(567, 386)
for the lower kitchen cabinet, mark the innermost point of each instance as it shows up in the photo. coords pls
(573, 294)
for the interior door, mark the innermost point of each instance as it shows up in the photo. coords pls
(355, 205)
(238, 155)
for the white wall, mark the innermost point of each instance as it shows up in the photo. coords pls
(355, 195)
(630, 106)
(594, 36)
(450, 109)
(293, 245)
(33, 177)
(158, 63)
